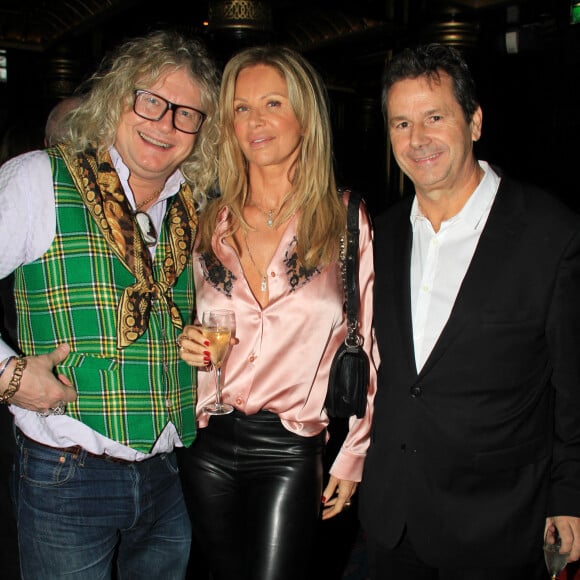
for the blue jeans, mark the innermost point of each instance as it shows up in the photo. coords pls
(77, 515)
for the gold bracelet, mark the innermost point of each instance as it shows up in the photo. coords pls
(14, 383)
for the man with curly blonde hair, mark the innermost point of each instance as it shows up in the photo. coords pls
(99, 232)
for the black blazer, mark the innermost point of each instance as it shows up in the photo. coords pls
(465, 454)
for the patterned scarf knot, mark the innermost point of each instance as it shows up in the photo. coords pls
(102, 193)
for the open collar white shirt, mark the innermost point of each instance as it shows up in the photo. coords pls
(440, 260)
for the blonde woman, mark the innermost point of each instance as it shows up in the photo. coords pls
(269, 250)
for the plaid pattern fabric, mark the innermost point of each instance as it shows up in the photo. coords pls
(71, 295)
(102, 193)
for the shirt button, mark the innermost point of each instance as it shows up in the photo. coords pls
(416, 391)
(252, 358)
(168, 403)
(239, 401)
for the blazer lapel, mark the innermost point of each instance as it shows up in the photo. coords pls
(401, 272)
(502, 228)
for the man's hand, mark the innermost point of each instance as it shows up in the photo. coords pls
(39, 388)
(569, 530)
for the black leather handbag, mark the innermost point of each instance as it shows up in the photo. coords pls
(349, 373)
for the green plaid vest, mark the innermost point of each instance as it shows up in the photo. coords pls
(70, 295)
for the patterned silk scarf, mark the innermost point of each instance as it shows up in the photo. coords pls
(102, 193)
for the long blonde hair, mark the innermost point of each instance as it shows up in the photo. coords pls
(142, 61)
(314, 192)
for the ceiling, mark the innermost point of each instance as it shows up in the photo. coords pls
(525, 54)
(40, 25)
(346, 39)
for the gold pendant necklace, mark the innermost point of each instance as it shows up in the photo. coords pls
(263, 276)
(271, 214)
(269, 217)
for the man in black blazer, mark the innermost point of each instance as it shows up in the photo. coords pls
(475, 447)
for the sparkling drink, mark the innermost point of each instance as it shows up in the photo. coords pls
(555, 560)
(218, 327)
(219, 343)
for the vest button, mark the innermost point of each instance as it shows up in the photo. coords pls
(416, 391)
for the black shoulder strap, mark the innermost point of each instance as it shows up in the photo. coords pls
(351, 270)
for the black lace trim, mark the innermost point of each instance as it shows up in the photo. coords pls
(216, 274)
(297, 274)
(222, 279)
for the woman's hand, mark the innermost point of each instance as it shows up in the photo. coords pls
(194, 347)
(340, 492)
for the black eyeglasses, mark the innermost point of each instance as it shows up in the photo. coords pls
(152, 107)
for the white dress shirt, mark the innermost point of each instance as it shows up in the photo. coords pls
(439, 262)
(27, 229)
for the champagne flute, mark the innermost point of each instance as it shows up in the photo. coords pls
(217, 327)
(553, 554)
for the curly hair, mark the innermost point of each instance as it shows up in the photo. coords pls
(314, 192)
(141, 62)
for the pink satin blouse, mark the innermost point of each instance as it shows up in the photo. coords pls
(283, 357)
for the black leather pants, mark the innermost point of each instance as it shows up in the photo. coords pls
(253, 491)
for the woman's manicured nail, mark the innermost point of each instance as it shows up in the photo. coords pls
(206, 343)
(323, 499)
